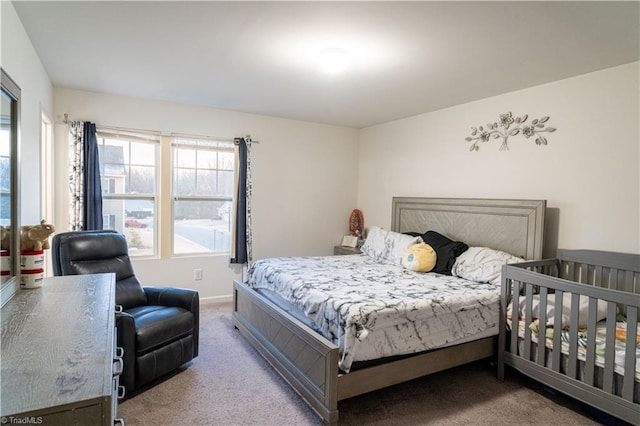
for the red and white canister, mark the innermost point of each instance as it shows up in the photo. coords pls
(5, 262)
(31, 278)
(31, 260)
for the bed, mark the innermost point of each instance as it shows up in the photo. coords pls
(584, 306)
(311, 363)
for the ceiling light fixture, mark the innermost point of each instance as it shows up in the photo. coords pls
(333, 60)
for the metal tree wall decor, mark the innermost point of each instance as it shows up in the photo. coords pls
(507, 127)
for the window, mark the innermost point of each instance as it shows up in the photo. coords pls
(129, 194)
(108, 221)
(202, 193)
(170, 195)
(108, 186)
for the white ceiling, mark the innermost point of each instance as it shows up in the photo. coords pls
(406, 58)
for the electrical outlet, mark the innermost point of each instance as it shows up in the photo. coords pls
(197, 274)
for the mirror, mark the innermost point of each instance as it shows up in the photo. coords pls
(9, 190)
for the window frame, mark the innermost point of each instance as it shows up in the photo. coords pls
(199, 143)
(137, 136)
(163, 199)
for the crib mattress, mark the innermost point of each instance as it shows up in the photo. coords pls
(620, 348)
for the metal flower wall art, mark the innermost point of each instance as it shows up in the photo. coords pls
(507, 127)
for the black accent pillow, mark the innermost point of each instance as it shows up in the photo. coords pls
(413, 234)
(447, 251)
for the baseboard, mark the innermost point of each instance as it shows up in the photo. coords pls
(214, 300)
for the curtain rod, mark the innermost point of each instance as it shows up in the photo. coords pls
(157, 132)
(118, 129)
(213, 138)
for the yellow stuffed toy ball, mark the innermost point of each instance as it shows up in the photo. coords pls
(420, 258)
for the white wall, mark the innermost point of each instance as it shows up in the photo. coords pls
(588, 173)
(20, 60)
(304, 177)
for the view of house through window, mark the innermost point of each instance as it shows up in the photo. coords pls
(202, 174)
(202, 189)
(128, 179)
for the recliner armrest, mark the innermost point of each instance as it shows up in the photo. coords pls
(181, 298)
(172, 296)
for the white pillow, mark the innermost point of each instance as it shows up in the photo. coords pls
(482, 264)
(387, 246)
(583, 309)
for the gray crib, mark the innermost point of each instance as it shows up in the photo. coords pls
(567, 296)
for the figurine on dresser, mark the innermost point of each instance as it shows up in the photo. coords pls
(36, 237)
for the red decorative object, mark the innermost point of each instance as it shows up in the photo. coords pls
(356, 223)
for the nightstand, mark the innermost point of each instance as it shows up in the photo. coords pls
(339, 250)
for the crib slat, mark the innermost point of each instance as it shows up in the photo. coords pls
(571, 271)
(598, 276)
(557, 332)
(627, 284)
(610, 349)
(593, 276)
(589, 366)
(542, 327)
(515, 314)
(573, 336)
(606, 276)
(629, 357)
(613, 279)
(584, 273)
(527, 320)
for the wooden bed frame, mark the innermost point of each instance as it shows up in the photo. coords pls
(309, 362)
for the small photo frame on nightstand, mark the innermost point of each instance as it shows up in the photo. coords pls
(349, 241)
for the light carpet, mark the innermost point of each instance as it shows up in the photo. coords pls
(229, 383)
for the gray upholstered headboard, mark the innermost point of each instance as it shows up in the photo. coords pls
(514, 226)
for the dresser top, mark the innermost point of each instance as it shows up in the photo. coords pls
(57, 343)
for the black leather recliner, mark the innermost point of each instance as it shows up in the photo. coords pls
(158, 328)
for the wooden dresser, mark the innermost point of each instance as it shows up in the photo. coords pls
(58, 356)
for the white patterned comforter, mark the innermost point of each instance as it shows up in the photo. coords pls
(347, 298)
